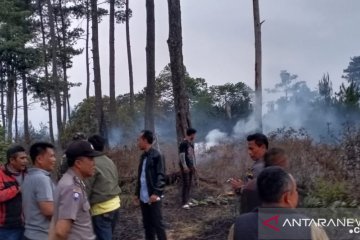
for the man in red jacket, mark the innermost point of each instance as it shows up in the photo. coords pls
(11, 176)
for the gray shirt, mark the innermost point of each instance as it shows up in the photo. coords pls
(257, 167)
(36, 187)
(71, 203)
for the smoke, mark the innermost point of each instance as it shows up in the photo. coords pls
(214, 137)
(165, 130)
(289, 116)
(115, 137)
(321, 122)
(126, 134)
(244, 126)
(300, 110)
(241, 129)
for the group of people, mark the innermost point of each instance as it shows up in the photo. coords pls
(267, 185)
(83, 204)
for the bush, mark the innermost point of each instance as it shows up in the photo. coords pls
(327, 193)
(320, 169)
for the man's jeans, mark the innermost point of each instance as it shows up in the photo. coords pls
(11, 233)
(104, 224)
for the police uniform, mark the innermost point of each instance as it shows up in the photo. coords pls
(70, 202)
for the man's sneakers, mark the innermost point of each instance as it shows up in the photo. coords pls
(186, 206)
(191, 203)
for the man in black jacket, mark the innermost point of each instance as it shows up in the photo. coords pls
(150, 186)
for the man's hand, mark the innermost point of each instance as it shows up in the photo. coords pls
(190, 169)
(136, 201)
(236, 184)
(154, 198)
(196, 176)
(62, 229)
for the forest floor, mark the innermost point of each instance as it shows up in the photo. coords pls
(210, 219)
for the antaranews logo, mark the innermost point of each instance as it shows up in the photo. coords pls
(301, 223)
(269, 223)
(272, 225)
(308, 222)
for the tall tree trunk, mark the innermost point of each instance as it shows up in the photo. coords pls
(112, 62)
(68, 106)
(63, 63)
(181, 100)
(26, 116)
(16, 113)
(2, 91)
(97, 75)
(10, 103)
(258, 62)
(65, 96)
(55, 79)
(87, 50)
(150, 66)
(51, 130)
(48, 95)
(128, 45)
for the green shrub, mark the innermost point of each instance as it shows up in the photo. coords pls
(327, 193)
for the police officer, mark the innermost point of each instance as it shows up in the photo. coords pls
(72, 219)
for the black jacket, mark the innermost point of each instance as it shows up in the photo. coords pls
(154, 171)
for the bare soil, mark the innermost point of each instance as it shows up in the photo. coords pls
(208, 220)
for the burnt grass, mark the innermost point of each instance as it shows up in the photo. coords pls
(211, 221)
(310, 163)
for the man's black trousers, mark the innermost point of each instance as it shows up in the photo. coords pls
(152, 220)
(186, 186)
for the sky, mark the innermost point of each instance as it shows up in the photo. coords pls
(305, 37)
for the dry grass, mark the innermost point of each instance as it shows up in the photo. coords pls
(335, 164)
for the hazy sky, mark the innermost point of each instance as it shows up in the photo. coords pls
(304, 37)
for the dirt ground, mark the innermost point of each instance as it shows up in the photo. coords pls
(210, 220)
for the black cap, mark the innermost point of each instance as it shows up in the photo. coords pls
(81, 148)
